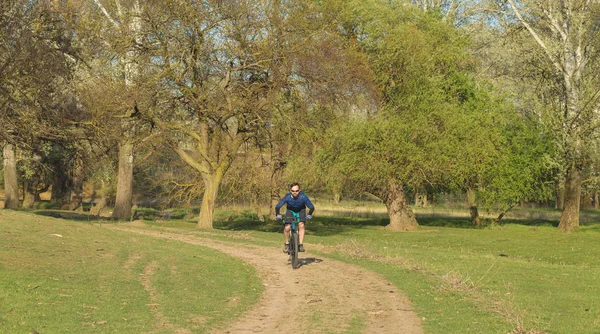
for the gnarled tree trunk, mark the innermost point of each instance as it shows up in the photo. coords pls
(11, 186)
(122, 210)
(401, 215)
(207, 209)
(30, 192)
(474, 212)
(76, 189)
(569, 219)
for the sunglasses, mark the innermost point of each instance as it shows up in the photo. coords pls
(295, 191)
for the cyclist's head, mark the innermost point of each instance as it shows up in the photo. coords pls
(295, 189)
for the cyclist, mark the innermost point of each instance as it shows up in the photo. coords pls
(295, 201)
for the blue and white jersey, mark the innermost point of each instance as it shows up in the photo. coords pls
(295, 204)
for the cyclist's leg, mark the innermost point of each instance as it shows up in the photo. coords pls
(286, 232)
(301, 232)
(301, 226)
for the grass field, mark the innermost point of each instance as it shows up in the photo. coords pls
(523, 276)
(62, 276)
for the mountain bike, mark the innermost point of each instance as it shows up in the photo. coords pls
(294, 240)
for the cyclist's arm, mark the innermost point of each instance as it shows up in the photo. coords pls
(280, 204)
(310, 206)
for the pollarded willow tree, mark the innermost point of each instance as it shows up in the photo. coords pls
(412, 139)
(566, 33)
(435, 125)
(224, 71)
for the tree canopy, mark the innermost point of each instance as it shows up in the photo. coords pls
(495, 100)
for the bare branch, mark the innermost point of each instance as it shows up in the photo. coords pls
(105, 12)
(535, 36)
(191, 161)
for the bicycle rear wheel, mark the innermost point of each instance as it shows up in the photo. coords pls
(294, 244)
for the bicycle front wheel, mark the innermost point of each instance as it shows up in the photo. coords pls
(294, 249)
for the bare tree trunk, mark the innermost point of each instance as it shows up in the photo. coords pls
(122, 210)
(475, 219)
(132, 19)
(564, 39)
(207, 209)
(11, 186)
(77, 179)
(30, 193)
(596, 198)
(569, 220)
(401, 216)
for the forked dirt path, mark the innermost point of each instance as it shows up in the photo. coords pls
(322, 296)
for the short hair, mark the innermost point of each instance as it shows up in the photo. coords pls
(294, 184)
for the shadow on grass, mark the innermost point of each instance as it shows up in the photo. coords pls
(72, 215)
(465, 223)
(321, 226)
(147, 214)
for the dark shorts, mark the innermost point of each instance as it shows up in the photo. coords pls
(289, 216)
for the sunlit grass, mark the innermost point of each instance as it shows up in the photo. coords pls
(69, 276)
(521, 276)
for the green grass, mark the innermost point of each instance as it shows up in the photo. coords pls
(522, 276)
(62, 276)
(519, 277)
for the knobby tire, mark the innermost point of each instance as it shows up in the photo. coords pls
(294, 249)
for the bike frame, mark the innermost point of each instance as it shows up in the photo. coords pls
(294, 242)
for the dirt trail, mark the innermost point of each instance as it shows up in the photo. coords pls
(328, 296)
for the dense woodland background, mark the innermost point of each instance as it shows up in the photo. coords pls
(126, 103)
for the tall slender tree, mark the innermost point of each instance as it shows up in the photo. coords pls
(112, 31)
(566, 33)
(11, 187)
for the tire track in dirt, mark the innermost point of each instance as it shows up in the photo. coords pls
(322, 296)
(159, 319)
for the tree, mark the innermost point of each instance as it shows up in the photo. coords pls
(110, 32)
(224, 71)
(215, 82)
(415, 138)
(11, 188)
(505, 156)
(566, 34)
(36, 59)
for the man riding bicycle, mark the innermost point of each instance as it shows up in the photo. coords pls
(297, 202)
